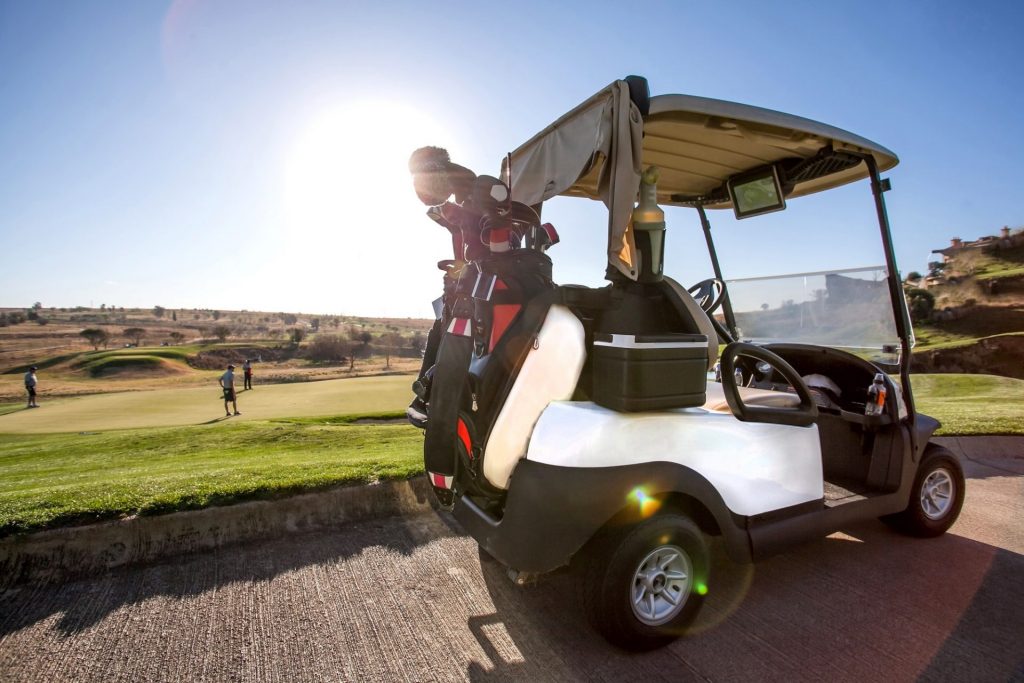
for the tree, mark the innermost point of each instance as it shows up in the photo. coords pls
(216, 315)
(176, 337)
(15, 317)
(174, 316)
(36, 306)
(314, 324)
(95, 336)
(221, 332)
(913, 276)
(417, 341)
(391, 340)
(921, 303)
(296, 335)
(158, 311)
(135, 334)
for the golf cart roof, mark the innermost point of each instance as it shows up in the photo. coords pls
(599, 149)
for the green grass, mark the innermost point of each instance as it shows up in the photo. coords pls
(61, 479)
(971, 404)
(103, 365)
(11, 407)
(1004, 263)
(941, 340)
(92, 357)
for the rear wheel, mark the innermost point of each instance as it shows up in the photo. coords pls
(937, 496)
(642, 588)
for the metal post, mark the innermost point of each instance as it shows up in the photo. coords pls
(730, 319)
(903, 325)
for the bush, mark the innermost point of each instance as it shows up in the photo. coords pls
(328, 347)
(921, 303)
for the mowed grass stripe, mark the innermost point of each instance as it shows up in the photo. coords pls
(201, 405)
(60, 479)
(971, 404)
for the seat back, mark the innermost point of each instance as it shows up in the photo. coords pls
(687, 306)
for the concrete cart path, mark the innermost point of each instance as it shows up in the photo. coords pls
(409, 599)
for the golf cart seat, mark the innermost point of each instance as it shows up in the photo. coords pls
(716, 402)
(685, 301)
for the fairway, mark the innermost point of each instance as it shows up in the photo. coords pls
(196, 406)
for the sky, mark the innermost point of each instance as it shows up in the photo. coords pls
(236, 154)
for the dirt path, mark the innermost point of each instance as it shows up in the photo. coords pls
(409, 599)
(189, 406)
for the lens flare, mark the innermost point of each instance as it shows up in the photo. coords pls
(647, 504)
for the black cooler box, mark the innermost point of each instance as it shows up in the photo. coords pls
(649, 371)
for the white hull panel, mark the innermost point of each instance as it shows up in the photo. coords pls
(756, 467)
(549, 373)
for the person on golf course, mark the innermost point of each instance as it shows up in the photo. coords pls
(30, 387)
(247, 371)
(227, 383)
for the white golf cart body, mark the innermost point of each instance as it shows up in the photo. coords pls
(569, 468)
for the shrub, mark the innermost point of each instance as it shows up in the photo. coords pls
(328, 347)
(921, 303)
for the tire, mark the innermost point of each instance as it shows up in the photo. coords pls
(643, 587)
(936, 497)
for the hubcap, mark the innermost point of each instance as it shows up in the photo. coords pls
(937, 493)
(661, 585)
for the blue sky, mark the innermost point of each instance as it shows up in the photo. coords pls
(251, 155)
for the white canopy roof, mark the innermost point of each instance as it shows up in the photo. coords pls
(598, 150)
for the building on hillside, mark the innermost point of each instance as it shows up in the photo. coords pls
(1007, 239)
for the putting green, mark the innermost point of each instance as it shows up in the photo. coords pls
(191, 406)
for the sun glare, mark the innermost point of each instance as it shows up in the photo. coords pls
(349, 164)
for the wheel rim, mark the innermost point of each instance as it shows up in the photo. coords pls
(661, 585)
(937, 493)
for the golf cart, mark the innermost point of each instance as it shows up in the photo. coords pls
(570, 425)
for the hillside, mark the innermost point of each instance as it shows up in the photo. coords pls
(969, 309)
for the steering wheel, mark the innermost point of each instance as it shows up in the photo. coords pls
(708, 294)
(802, 415)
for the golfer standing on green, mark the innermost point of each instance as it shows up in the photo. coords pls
(30, 387)
(227, 383)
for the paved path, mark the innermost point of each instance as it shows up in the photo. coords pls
(409, 599)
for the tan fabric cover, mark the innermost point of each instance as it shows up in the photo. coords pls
(593, 151)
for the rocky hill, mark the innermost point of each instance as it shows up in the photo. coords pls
(969, 309)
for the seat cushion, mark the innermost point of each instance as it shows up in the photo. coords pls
(756, 397)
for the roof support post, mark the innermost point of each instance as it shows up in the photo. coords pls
(902, 317)
(730, 319)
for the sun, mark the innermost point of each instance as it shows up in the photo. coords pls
(349, 164)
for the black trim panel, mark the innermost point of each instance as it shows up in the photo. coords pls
(551, 511)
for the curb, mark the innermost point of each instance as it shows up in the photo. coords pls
(983, 447)
(62, 554)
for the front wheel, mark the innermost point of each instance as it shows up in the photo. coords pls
(642, 588)
(937, 496)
